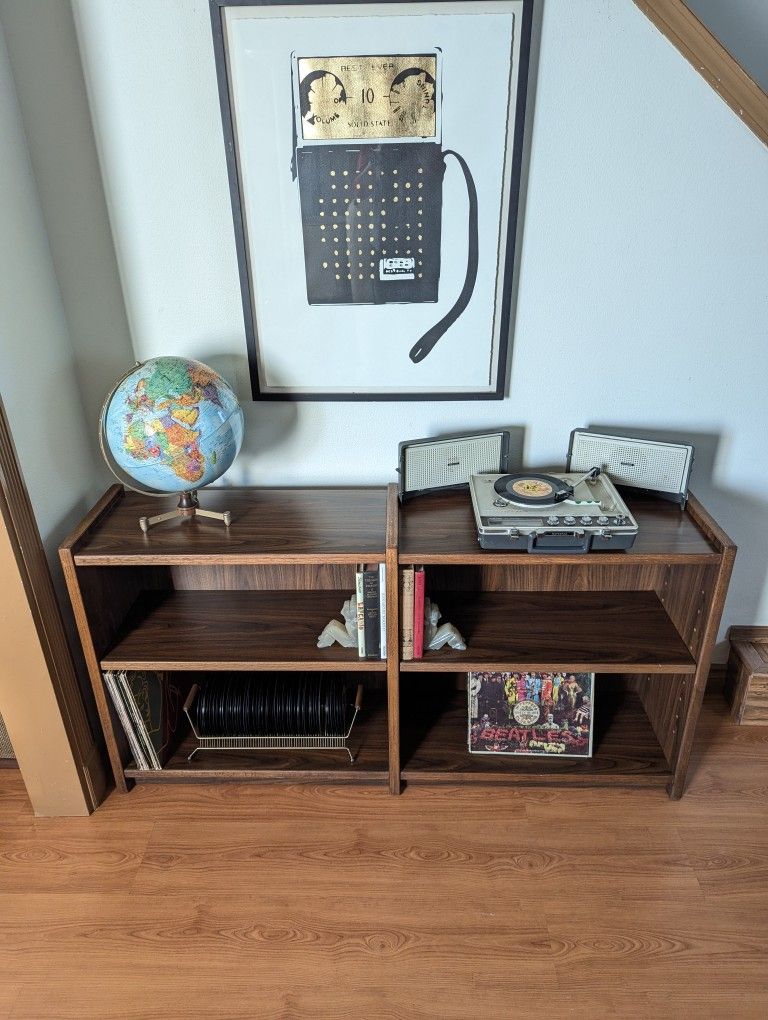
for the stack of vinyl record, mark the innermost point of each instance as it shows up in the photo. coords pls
(281, 705)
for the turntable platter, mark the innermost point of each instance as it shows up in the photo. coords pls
(532, 489)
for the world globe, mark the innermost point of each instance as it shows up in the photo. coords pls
(172, 425)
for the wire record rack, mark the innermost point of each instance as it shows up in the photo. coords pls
(304, 742)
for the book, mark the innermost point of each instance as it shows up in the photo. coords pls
(548, 714)
(406, 608)
(116, 694)
(360, 604)
(418, 613)
(371, 601)
(383, 610)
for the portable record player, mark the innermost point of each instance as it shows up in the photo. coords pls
(551, 513)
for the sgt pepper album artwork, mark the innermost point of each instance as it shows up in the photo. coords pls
(531, 713)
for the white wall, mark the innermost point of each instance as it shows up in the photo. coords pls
(37, 378)
(642, 295)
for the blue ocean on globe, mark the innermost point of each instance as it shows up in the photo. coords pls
(173, 424)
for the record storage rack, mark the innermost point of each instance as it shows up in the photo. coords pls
(194, 596)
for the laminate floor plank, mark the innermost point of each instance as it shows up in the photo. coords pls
(342, 903)
(75, 854)
(247, 998)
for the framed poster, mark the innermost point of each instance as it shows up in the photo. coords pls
(374, 154)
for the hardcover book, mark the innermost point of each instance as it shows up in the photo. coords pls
(360, 605)
(531, 713)
(383, 610)
(406, 610)
(371, 611)
(418, 613)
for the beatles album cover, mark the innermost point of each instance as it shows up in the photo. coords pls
(531, 713)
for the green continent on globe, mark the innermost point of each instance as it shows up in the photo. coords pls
(163, 410)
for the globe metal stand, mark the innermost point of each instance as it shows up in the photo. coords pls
(188, 506)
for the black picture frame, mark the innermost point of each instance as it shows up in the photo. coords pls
(503, 308)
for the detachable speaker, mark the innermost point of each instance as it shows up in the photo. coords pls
(661, 468)
(446, 462)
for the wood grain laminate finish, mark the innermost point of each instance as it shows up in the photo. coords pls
(199, 599)
(713, 594)
(440, 528)
(305, 901)
(434, 744)
(226, 630)
(264, 577)
(393, 639)
(268, 526)
(746, 686)
(584, 631)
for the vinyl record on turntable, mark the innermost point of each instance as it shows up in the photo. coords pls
(529, 489)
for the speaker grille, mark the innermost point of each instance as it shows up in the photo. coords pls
(450, 462)
(645, 465)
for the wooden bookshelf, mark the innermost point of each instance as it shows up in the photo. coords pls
(193, 596)
(650, 613)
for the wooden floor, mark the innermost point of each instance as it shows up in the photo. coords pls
(319, 901)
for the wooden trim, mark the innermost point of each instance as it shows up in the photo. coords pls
(62, 771)
(709, 525)
(393, 637)
(758, 634)
(714, 616)
(712, 60)
(92, 662)
(103, 507)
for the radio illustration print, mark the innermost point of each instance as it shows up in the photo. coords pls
(370, 170)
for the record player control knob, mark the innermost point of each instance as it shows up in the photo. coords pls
(499, 502)
(602, 519)
(585, 520)
(552, 519)
(569, 519)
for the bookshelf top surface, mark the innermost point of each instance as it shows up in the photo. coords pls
(334, 525)
(440, 527)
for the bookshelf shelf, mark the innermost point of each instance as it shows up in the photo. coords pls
(626, 750)
(578, 631)
(368, 743)
(232, 630)
(193, 596)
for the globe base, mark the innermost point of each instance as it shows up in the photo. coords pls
(188, 506)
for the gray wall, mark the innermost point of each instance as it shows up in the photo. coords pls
(38, 381)
(53, 101)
